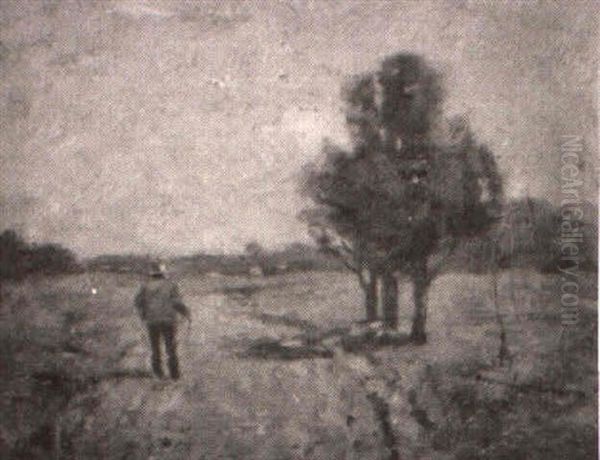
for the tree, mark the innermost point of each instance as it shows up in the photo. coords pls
(253, 250)
(12, 250)
(412, 185)
(50, 258)
(17, 258)
(259, 259)
(347, 246)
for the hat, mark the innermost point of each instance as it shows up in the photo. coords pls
(158, 269)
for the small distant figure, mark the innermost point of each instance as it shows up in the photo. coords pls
(158, 303)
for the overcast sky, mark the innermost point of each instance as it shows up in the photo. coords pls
(169, 127)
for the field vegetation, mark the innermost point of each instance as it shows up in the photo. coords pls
(271, 371)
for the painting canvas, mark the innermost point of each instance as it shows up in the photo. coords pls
(298, 229)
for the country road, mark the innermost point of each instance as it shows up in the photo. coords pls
(231, 406)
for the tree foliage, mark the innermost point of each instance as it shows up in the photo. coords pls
(412, 184)
(18, 258)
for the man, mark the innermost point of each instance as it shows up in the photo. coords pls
(158, 303)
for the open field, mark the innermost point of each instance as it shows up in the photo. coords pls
(266, 375)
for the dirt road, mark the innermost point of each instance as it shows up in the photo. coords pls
(230, 406)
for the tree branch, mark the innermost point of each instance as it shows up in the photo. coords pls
(347, 247)
(335, 251)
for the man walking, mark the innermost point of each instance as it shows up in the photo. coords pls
(158, 301)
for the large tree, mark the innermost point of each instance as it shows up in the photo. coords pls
(410, 187)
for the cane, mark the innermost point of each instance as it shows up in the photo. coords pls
(189, 331)
(188, 334)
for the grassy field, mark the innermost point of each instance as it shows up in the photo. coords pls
(266, 375)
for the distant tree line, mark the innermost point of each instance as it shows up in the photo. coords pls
(529, 235)
(120, 263)
(255, 259)
(19, 258)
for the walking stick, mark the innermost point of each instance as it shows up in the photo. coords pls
(189, 331)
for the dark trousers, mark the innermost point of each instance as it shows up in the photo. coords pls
(167, 331)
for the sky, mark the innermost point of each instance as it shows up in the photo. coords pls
(171, 127)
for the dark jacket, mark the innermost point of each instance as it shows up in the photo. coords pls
(159, 301)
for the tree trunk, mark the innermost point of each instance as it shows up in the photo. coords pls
(421, 281)
(503, 353)
(390, 300)
(370, 288)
